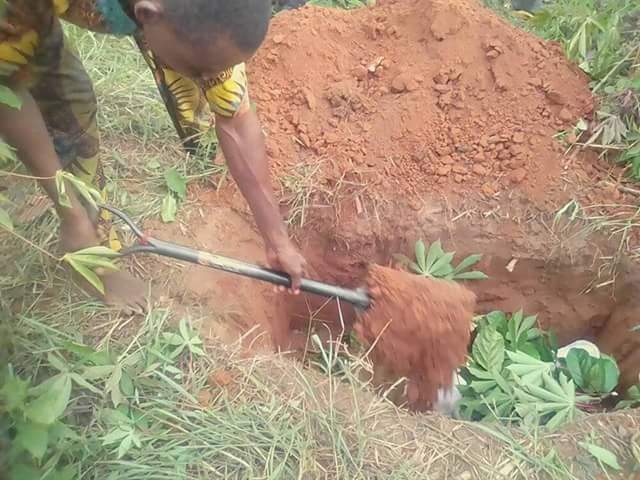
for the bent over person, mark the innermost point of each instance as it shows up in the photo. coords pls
(195, 49)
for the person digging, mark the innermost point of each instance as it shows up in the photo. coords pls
(195, 50)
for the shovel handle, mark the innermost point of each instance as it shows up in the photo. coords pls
(357, 298)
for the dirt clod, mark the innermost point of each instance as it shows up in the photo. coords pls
(469, 58)
(420, 328)
(565, 115)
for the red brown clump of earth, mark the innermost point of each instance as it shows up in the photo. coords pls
(416, 95)
(419, 328)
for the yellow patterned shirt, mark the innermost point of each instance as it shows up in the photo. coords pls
(31, 43)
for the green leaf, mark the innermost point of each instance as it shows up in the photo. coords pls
(472, 275)
(176, 183)
(7, 153)
(603, 455)
(94, 261)
(632, 398)
(169, 208)
(33, 438)
(577, 359)
(126, 385)
(113, 386)
(68, 472)
(61, 188)
(529, 369)
(50, 406)
(592, 375)
(488, 349)
(196, 350)
(84, 352)
(90, 194)
(468, 262)
(14, 392)
(435, 252)
(172, 339)
(184, 329)
(125, 446)
(634, 392)
(115, 436)
(57, 362)
(442, 267)
(5, 220)
(421, 255)
(136, 440)
(483, 386)
(98, 372)
(98, 251)
(83, 383)
(86, 273)
(497, 320)
(608, 375)
(555, 398)
(480, 373)
(9, 98)
(21, 471)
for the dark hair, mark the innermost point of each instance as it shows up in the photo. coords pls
(246, 21)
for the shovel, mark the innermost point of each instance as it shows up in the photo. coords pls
(146, 244)
(418, 328)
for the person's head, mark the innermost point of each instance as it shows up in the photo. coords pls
(201, 38)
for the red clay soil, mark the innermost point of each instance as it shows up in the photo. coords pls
(419, 329)
(413, 96)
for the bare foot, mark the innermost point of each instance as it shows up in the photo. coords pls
(125, 292)
(122, 290)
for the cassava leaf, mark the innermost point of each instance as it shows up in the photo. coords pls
(604, 456)
(488, 349)
(176, 183)
(112, 386)
(421, 256)
(52, 403)
(9, 98)
(98, 251)
(468, 262)
(33, 438)
(169, 208)
(442, 266)
(89, 275)
(435, 252)
(472, 275)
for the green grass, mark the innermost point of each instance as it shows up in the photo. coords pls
(276, 419)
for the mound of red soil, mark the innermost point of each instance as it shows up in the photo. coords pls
(415, 94)
(419, 328)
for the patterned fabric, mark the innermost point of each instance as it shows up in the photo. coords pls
(33, 53)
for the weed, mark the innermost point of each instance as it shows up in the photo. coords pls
(602, 455)
(436, 263)
(176, 192)
(514, 374)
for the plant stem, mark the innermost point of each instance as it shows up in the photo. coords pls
(4, 173)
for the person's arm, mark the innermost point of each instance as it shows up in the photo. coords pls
(242, 142)
(243, 145)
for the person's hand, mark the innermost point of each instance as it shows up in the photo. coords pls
(288, 259)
